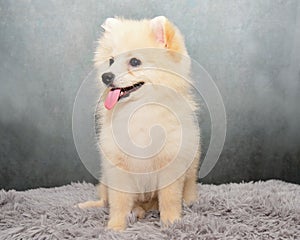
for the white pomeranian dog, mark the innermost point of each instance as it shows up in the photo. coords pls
(149, 139)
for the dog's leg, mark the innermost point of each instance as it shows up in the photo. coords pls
(190, 190)
(91, 204)
(170, 202)
(190, 183)
(102, 190)
(120, 205)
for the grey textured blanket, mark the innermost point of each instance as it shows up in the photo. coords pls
(261, 210)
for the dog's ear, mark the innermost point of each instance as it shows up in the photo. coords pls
(165, 33)
(158, 28)
(109, 23)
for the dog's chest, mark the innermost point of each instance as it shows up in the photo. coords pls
(146, 124)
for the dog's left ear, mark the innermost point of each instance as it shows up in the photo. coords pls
(109, 23)
(164, 32)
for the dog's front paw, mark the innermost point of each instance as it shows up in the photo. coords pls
(139, 212)
(190, 199)
(168, 219)
(116, 225)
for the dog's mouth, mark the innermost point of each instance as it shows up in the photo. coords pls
(115, 94)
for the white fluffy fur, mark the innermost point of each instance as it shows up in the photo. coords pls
(126, 182)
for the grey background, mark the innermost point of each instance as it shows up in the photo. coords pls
(250, 48)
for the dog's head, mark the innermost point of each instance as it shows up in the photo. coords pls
(132, 54)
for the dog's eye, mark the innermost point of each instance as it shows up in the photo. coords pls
(135, 62)
(111, 61)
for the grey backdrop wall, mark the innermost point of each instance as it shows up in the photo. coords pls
(250, 48)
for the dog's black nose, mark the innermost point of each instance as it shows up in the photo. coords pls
(108, 78)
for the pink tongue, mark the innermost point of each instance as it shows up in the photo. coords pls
(112, 98)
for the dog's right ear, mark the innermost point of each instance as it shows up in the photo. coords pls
(109, 23)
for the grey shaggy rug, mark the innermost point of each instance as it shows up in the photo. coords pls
(260, 210)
